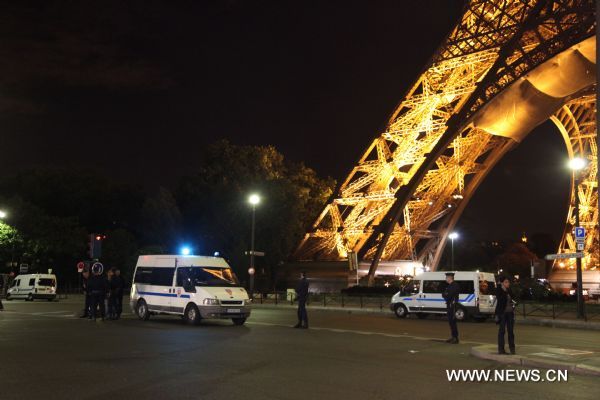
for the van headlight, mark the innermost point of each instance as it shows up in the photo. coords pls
(210, 302)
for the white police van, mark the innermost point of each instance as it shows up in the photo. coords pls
(423, 295)
(195, 287)
(32, 286)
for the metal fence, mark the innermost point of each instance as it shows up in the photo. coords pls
(556, 310)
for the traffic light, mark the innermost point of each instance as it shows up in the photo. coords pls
(95, 246)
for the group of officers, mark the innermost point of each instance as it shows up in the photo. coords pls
(103, 293)
(504, 314)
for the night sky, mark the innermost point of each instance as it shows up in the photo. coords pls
(135, 89)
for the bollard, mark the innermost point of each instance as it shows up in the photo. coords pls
(342, 300)
(361, 302)
(276, 296)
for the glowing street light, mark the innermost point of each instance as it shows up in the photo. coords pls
(254, 199)
(452, 236)
(576, 164)
(2, 214)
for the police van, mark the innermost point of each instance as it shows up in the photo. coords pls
(194, 287)
(423, 295)
(32, 286)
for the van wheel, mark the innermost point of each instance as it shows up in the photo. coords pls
(192, 315)
(460, 313)
(400, 311)
(238, 321)
(422, 315)
(141, 310)
(8, 297)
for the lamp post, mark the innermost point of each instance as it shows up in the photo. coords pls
(452, 236)
(254, 199)
(576, 164)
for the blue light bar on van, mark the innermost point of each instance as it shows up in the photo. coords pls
(185, 251)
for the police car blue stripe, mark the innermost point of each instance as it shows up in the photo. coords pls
(185, 296)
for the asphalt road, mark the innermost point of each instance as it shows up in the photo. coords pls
(45, 352)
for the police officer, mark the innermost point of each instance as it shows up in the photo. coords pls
(118, 285)
(505, 315)
(85, 275)
(450, 294)
(98, 287)
(302, 296)
(1, 291)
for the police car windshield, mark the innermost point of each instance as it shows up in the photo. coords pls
(206, 276)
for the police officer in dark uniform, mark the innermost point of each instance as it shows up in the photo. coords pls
(450, 294)
(119, 286)
(302, 296)
(98, 288)
(505, 315)
(85, 275)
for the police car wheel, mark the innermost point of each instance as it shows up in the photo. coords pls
(400, 311)
(142, 310)
(191, 315)
(460, 314)
(238, 321)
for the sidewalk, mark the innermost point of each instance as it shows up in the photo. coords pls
(531, 320)
(581, 362)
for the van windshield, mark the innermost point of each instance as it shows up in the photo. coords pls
(46, 282)
(206, 276)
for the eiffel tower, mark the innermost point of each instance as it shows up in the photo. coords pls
(507, 67)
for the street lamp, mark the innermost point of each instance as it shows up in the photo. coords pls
(576, 164)
(2, 214)
(452, 236)
(254, 199)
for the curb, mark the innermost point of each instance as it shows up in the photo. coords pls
(579, 369)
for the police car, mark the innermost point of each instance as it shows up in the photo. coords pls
(194, 287)
(423, 295)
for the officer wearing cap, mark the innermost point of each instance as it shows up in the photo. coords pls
(450, 294)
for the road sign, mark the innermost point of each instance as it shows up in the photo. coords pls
(251, 271)
(80, 266)
(564, 255)
(98, 267)
(580, 246)
(579, 232)
(23, 268)
(255, 253)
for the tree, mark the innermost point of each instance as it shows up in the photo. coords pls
(217, 215)
(516, 260)
(160, 220)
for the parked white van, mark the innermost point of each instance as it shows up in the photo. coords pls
(33, 286)
(195, 287)
(423, 295)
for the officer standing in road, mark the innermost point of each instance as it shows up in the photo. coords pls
(85, 275)
(302, 296)
(97, 287)
(1, 291)
(505, 315)
(450, 294)
(119, 286)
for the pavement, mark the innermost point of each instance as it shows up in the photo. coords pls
(48, 353)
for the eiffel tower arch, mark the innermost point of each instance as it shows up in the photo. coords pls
(507, 67)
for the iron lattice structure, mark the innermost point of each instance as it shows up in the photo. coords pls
(412, 183)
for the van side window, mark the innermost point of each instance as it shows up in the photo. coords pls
(412, 287)
(162, 276)
(486, 287)
(466, 287)
(15, 283)
(143, 275)
(32, 282)
(433, 286)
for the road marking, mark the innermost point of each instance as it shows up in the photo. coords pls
(391, 335)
